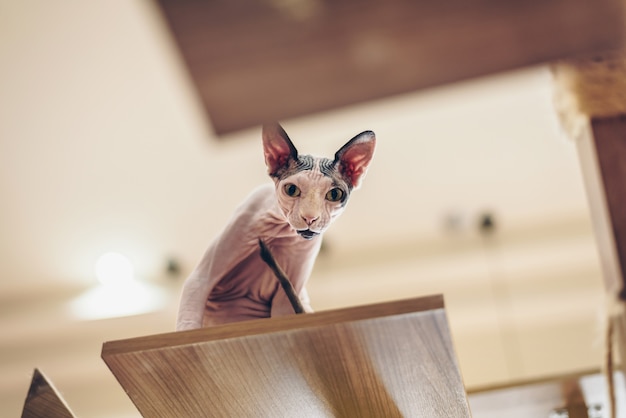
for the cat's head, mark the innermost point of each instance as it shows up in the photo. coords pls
(313, 191)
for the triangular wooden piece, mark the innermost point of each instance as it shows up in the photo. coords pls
(44, 401)
(385, 360)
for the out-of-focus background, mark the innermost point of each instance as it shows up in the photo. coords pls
(104, 147)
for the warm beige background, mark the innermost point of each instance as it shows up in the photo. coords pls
(103, 147)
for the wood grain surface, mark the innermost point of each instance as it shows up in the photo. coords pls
(43, 401)
(386, 360)
(609, 166)
(602, 154)
(254, 62)
(543, 397)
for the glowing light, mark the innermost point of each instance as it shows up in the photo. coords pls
(114, 268)
(118, 293)
(111, 301)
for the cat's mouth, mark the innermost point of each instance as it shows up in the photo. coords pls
(307, 233)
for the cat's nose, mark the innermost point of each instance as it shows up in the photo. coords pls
(310, 219)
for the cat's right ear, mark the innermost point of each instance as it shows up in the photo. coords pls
(353, 158)
(278, 148)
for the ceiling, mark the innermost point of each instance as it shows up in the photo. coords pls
(253, 62)
(104, 147)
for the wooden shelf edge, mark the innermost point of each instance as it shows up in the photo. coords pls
(272, 325)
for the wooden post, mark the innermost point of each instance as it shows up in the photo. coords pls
(591, 101)
(574, 398)
(602, 153)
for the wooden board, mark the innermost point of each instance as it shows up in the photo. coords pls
(603, 160)
(393, 360)
(581, 395)
(254, 61)
(43, 401)
(602, 154)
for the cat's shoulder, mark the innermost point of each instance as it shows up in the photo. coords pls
(254, 209)
(261, 198)
(262, 195)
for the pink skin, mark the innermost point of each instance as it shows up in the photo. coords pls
(231, 282)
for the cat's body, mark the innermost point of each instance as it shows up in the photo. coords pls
(232, 283)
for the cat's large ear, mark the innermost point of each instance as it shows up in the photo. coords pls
(354, 157)
(278, 148)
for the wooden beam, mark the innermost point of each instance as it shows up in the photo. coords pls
(43, 400)
(591, 104)
(257, 61)
(393, 359)
(610, 142)
(537, 398)
(602, 153)
(574, 399)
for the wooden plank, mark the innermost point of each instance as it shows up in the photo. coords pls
(602, 155)
(394, 359)
(43, 400)
(257, 61)
(541, 397)
(610, 141)
(574, 399)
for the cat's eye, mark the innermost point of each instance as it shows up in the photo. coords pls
(292, 190)
(334, 195)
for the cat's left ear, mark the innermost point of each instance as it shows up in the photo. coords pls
(354, 157)
(278, 148)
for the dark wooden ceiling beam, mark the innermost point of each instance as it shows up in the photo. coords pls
(257, 61)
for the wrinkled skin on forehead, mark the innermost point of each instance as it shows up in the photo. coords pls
(231, 282)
